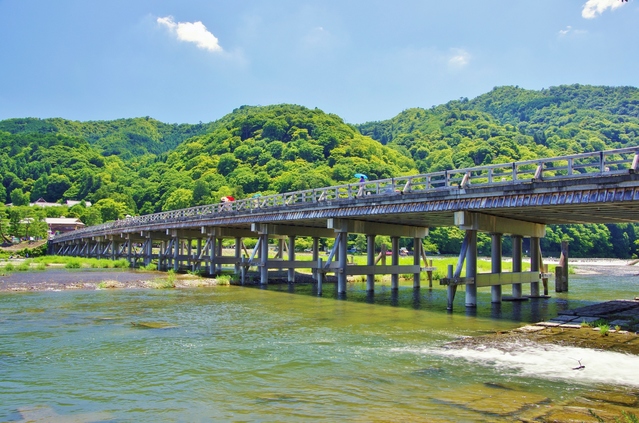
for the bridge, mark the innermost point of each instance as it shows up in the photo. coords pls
(516, 199)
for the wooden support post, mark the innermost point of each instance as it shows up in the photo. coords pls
(220, 253)
(450, 289)
(495, 262)
(417, 253)
(395, 262)
(291, 257)
(238, 254)
(471, 268)
(212, 244)
(534, 265)
(561, 276)
(517, 257)
(320, 276)
(198, 253)
(176, 253)
(315, 255)
(264, 259)
(242, 270)
(161, 255)
(342, 260)
(370, 261)
(427, 262)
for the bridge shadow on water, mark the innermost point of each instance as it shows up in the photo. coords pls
(531, 310)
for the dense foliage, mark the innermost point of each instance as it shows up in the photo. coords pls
(123, 137)
(140, 166)
(510, 124)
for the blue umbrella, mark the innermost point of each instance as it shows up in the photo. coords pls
(361, 175)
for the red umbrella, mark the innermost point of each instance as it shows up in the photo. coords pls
(228, 198)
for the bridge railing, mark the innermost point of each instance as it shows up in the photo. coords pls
(584, 165)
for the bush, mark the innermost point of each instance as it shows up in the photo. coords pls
(73, 264)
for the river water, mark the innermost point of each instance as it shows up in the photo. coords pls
(284, 354)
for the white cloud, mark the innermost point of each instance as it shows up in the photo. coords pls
(570, 31)
(459, 58)
(192, 32)
(565, 31)
(592, 8)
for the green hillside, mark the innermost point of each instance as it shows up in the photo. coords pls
(511, 123)
(123, 137)
(141, 166)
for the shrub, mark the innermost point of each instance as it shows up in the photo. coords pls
(121, 263)
(73, 264)
(24, 266)
(223, 279)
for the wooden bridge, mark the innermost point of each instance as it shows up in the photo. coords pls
(516, 199)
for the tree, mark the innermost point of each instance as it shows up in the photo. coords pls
(181, 198)
(91, 216)
(110, 209)
(3, 224)
(18, 198)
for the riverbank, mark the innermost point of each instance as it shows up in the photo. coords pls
(59, 279)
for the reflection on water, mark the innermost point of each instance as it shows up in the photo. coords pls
(285, 354)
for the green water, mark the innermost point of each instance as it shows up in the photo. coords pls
(282, 354)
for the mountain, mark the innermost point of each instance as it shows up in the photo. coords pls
(510, 123)
(141, 166)
(123, 137)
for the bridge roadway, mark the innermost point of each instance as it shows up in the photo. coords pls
(516, 199)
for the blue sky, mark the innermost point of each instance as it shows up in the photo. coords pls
(182, 61)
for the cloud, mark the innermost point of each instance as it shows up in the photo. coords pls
(592, 8)
(459, 58)
(565, 31)
(192, 32)
(570, 30)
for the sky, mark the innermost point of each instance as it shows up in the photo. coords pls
(190, 61)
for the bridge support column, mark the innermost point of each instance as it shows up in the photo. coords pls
(129, 252)
(219, 253)
(198, 263)
(238, 254)
(370, 261)
(176, 253)
(212, 247)
(315, 254)
(161, 254)
(517, 257)
(471, 268)
(417, 254)
(534, 264)
(148, 250)
(394, 262)
(342, 262)
(495, 262)
(291, 257)
(264, 258)
(187, 253)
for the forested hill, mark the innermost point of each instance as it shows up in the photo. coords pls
(252, 150)
(511, 123)
(141, 166)
(123, 137)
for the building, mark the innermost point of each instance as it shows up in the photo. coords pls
(60, 225)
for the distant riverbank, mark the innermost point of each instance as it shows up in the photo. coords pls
(59, 279)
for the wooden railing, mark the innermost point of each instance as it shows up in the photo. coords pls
(576, 166)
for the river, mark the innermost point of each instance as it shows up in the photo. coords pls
(284, 354)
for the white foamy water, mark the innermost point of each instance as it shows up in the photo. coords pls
(551, 362)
